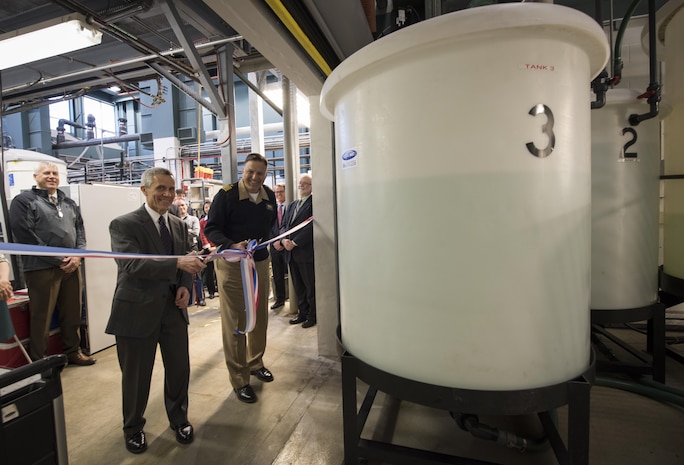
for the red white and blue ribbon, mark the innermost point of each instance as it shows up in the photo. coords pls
(250, 279)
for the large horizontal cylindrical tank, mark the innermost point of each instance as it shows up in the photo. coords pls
(463, 187)
(625, 182)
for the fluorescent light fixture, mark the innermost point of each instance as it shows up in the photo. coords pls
(47, 39)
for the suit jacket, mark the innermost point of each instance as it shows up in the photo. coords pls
(143, 286)
(303, 252)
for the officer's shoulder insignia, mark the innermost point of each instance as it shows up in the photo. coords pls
(228, 187)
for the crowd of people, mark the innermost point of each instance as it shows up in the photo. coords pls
(149, 307)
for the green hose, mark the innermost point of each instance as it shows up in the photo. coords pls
(656, 385)
(657, 394)
(617, 55)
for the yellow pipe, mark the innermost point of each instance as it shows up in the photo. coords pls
(292, 26)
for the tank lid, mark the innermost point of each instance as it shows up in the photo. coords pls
(16, 155)
(545, 20)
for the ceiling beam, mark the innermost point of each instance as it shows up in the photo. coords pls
(257, 24)
(176, 23)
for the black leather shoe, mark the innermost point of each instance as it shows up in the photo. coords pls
(136, 443)
(309, 323)
(263, 374)
(246, 394)
(184, 433)
(299, 319)
(277, 305)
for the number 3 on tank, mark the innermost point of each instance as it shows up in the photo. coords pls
(546, 129)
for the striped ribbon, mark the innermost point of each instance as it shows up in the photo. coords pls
(250, 280)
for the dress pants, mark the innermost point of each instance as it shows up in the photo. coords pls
(279, 267)
(304, 283)
(136, 359)
(209, 278)
(50, 288)
(243, 352)
(197, 291)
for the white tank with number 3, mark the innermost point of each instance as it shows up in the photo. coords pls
(464, 196)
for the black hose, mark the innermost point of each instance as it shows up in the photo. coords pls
(471, 423)
(653, 91)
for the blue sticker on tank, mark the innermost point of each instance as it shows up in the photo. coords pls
(349, 159)
(349, 154)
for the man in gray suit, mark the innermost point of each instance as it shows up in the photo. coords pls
(150, 308)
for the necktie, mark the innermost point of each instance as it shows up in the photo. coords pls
(280, 215)
(53, 199)
(296, 210)
(165, 236)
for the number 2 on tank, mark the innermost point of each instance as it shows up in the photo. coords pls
(546, 128)
(624, 154)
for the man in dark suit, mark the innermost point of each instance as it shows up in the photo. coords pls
(278, 253)
(150, 308)
(301, 260)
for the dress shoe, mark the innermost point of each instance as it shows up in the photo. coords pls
(263, 374)
(211, 296)
(277, 304)
(299, 319)
(184, 433)
(246, 394)
(202, 303)
(309, 323)
(136, 443)
(80, 359)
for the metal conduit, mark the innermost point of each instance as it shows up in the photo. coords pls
(120, 63)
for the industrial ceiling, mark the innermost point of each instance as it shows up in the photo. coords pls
(142, 39)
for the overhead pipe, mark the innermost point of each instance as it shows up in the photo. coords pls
(652, 94)
(369, 10)
(122, 35)
(61, 128)
(100, 141)
(117, 13)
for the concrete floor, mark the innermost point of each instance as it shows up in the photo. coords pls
(298, 418)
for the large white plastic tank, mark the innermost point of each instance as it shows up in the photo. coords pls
(19, 168)
(463, 186)
(670, 41)
(625, 204)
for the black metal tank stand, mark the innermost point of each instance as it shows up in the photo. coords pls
(574, 393)
(671, 294)
(655, 340)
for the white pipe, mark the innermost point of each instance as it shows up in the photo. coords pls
(245, 130)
